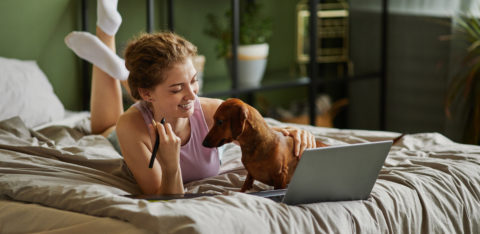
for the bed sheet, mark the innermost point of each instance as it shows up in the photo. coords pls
(70, 119)
(428, 184)
(19, 217)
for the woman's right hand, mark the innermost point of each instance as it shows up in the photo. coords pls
(168, 154)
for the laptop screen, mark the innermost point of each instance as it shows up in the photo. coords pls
(337, 173)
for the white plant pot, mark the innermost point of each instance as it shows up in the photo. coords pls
(252, 61)
(253, 52)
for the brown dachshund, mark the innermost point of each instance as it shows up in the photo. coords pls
(268, 155)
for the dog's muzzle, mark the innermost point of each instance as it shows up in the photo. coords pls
(209, 145)
(206, 143)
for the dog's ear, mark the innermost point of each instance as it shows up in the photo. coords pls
(239, 119)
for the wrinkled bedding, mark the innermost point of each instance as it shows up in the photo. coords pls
(428, 184)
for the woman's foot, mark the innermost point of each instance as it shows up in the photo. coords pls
(108, 18)
(92, 49)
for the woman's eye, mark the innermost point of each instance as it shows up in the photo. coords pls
(219, 122)
(176, 91)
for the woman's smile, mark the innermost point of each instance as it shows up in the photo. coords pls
(187, 106)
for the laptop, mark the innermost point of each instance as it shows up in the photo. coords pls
(333, 173)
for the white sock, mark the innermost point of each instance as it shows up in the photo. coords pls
(108, 18)
(90, 48)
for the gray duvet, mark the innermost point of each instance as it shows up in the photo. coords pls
(428, 184)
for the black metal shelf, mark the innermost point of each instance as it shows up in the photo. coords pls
(265, 87)
(269, 85)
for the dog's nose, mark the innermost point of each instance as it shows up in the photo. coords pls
(205, 143)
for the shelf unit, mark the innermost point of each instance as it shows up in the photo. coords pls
(312, 82)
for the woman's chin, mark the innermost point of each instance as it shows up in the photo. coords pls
(185, 113)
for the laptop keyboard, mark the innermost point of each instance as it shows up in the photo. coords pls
(274, 195)
(278, 198)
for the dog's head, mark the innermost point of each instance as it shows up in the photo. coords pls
(229, 123)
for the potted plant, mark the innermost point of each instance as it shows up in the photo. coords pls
(255, 30)
(465, 84)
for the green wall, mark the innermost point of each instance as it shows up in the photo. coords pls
(34, 30)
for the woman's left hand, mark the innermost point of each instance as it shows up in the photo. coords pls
(302, 139)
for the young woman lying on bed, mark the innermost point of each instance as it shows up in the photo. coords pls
(162, 77)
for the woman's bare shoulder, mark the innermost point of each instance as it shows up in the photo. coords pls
(209, 107)
(131, 122)
(210, 104)
(132, 131)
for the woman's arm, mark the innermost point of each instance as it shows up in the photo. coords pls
(136, 145)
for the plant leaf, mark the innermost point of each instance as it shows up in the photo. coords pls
(469, 81)
(464, 25)
(474, 26)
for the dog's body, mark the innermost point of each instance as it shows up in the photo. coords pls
(267, 155)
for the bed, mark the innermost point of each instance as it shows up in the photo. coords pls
(56, 177)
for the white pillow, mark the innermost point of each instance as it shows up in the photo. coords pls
(26, 92)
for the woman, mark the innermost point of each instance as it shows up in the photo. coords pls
(162, 76)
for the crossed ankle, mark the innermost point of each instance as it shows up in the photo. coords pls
(92, 49)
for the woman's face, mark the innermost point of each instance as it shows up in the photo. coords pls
(175, 96)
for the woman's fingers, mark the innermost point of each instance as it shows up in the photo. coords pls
(171, 135)
(169, 150)
(304, 142)
(166, 133)
(284, 132)
(297, 138)
(161, 132)
(302, 139)
(314, 142)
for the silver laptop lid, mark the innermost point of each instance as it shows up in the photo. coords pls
(337, 173)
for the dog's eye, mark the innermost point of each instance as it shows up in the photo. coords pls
(219, 122)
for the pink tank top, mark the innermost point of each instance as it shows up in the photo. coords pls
(196, 161)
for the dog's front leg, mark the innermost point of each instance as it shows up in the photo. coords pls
(248, 183)
(281, 181)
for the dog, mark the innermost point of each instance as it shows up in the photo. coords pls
(268, 155)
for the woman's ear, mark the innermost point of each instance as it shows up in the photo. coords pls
(146, 94)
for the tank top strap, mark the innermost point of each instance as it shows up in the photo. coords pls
(146, 113)
(198, 124)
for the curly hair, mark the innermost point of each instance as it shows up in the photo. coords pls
(148, 56)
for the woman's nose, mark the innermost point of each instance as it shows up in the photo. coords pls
(191, 92)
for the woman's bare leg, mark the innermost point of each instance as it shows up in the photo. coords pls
(106, 103)
(107, 65)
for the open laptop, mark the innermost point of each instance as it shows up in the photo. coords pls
(333, 173)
